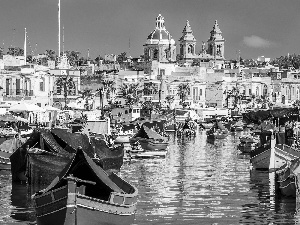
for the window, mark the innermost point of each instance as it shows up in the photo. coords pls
(200, 92)
(250, 92)
(42, 86)
(18, 91)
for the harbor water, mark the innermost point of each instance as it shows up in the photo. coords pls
(199, 182)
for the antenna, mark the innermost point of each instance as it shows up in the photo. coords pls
(13, 38)
(129, 47)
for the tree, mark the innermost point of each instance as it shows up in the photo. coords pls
(170, 100)
(66, 84)
(50, 54)
(149, 106)
(183, 91)
(1, 52)
(87, 96)
(131, 93)
(150, 88)
(15, 51)
(98, 59)
(73, 57)
(121, 58)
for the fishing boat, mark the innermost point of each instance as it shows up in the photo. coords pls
(247, 143)
(187, 129)
(151, 154)
(218, 131)
(237, 126)
(46, 152)
(150, 139)
(83, 193)
(122, 137)
(260, 156)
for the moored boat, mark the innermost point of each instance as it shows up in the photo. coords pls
(247, 143)
(218, 131)
(46, 152)
(260, 156)
(150, 139)
(84, 193)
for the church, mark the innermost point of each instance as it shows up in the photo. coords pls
(161, 47)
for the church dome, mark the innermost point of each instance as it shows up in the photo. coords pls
(160, 34)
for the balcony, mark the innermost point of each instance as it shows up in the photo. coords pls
(18, 92)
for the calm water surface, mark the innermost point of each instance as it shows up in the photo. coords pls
(199, 182)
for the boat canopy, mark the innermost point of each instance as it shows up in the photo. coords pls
(148, 133)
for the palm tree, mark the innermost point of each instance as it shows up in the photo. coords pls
(131, 93)
(149, 106)
(150, 88)
(67, 84)
(183, 91)
(87, 95)
(170, 100)
(50, 54)
(234, 93)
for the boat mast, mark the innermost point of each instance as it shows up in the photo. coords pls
(58, 29)
(63, 37)
(25, 48)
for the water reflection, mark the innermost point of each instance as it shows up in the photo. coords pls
(21, 201)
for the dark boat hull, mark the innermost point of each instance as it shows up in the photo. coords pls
(286, 182)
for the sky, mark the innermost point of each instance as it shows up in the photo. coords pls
(251, 28)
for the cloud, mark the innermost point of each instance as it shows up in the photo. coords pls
(257, 42)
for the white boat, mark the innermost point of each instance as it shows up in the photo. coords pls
(151, 154)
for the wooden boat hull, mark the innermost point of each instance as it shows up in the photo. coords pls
(104, 198)
(262, 159)
(83, 214)
(150, 154)
(122, 139)
(217, 136)
(147, 144)
(153, 146)
(63, 211)
(286, 182)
